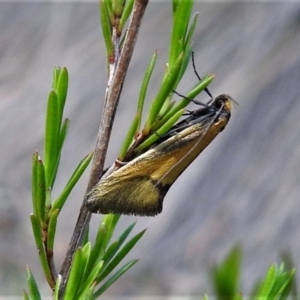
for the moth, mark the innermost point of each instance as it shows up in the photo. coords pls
(140, 186)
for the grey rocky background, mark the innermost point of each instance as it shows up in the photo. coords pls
(243, 189)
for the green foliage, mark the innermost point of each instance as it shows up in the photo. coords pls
(277, 283)
(105, 17)
(93, 264)
(136, 123)
(46, 210)
(226, 276)
(33, 291)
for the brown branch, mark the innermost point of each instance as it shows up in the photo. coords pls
(112, 98)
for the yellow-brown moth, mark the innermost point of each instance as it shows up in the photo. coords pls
(139, 187)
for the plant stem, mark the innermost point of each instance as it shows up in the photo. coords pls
(113, 91)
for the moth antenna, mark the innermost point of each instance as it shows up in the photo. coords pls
(191, 100)
(199, 78)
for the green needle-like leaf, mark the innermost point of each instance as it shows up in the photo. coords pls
(115, 277)
(109, 7)
(126, 233)
(145, 83)
(52, 230)
(74, 281)
(180, 24)
(40, 192)
(185, 62)
(175, 5)
(55, 75)
(33, 290)
(88, 283)
(34, 182)
(125, 15)
(282, 286)
(200, 86)
(86, 236)
(287, 286)
(106, 29)
(62, 138)
(51, 136)
(60, 201)
(191, 30)
(88, 295)
(226, 276)
(168, 104)
(277, 284)
(48, 200)
(121, 254)
(115, 246)
(86, 252)
(267, 284)
(111, 251)
(38, 188)
(97, 251)
(62, 90)
(63, 133)
(103, 237)
(111, 221)
(135, 126)
(165, 90)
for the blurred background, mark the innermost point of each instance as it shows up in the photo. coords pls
(243, 189)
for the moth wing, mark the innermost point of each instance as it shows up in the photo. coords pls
(126, 192)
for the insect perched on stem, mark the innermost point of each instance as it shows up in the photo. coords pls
(139, 187)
